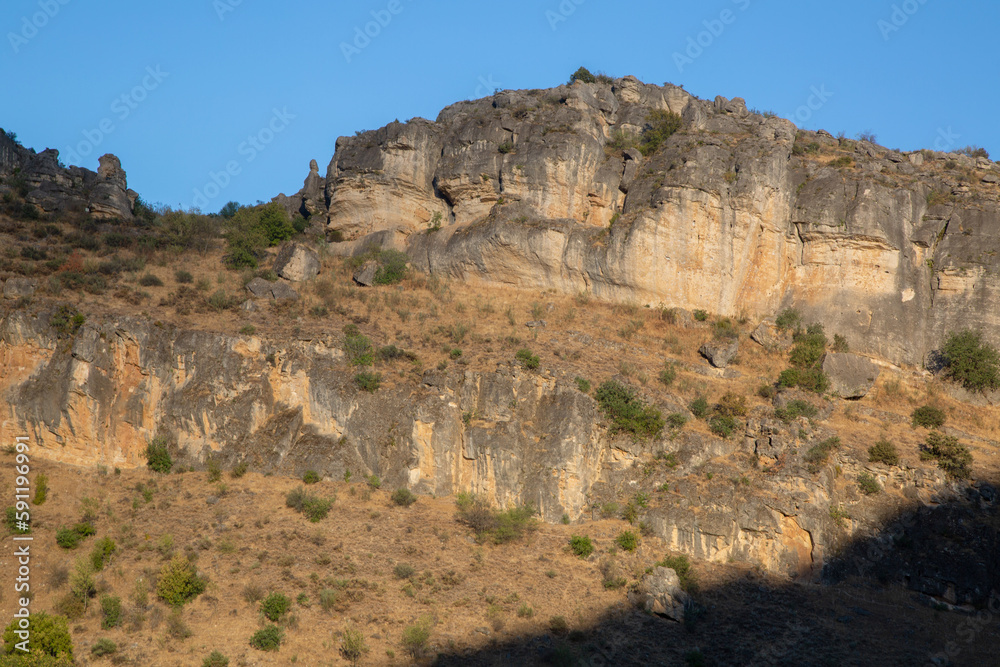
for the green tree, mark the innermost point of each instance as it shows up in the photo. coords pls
(49, 636)
(582, 74)
(971, 361)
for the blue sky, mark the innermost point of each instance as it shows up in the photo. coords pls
(178, 89)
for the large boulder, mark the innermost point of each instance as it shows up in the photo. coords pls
(365, 275)
(109, 199)
(296, 262)
(16, 288)
(660, 593)
(720, 352)
(265, 289)
(851, 376)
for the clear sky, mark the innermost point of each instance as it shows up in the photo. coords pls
(177, 89)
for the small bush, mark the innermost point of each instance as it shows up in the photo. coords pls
(101, 553)
(215, 659)
(66, 321)
(700, 315)
(373, 481)
(660, 125)
(415, 638)
(491, 524)
(627, 540)
(676, 420)
(368, 381)
(158, 457)
(952, 457)
(583, 74)
(795, 409)
(972, 362)
(67, 538)
(392, 267)
(111, 611)
(699, 407)
(558, 625)
(41, 489)
(928, 416)
(149, 280)
(275, 606)
(732, 405)
(627, 411)
(788, 320)
(103, 647)
(840, 344)
(867, 484)
(527, 359)
(352, 646)
(818, 454)
(581, 545)
(885, 452)
(668, 374)
(268, 638)
(312, 507)
(403, 497)
(404, 571)
(183, 277)
(310, 477)
(583, 385)
(179, 582)
(240, 470)
(722, 425)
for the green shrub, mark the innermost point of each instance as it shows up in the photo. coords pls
(179, 582)
(840, 344)
(722, 425)
(676, 420)
(11, 521)
(357, 348)
(883, 451)
(66, 320)
(699, 407)
(788, 320)
(41, 489)
(627, 540)
(373, 481)
(583, 385)
(817, 455)
(627, 411)
(668, 374)
(795, 409)
(558, 625)
(403, 497)
(327, 599)
(972, 362)
(368, 381)
(268, 638)
(404, 571)
(149, 280)
(952, 457)
(415, 637)
(49, 637)
(183, 277)
(489, 524)
(158, 457)
(928, 416)
(392, 267)
(101, 553)
(724, 329)
(867, 484)
(732, 405)
(582, 74)
(682, 566)
(700, 315)
(312, 507)
(352, 646)
(660, 125)
(215, 659)
(111, 611)
(67, 538)
(275, 606)
(527, 359)
(103, 646)
(809, 346)
(240, 470)
(310, 477)
(581, 545)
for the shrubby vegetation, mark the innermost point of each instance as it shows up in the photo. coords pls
(311, 506)
(806, 358)
(158, 456)
(49, 638)
(883, 451)
(928, 416)
(489, 524)
(952, 456)
(252, 229)
(627, 411)
(971, 361)
(179, 582)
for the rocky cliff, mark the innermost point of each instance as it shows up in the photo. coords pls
(738, 213)
(53, 188)
(101, 394)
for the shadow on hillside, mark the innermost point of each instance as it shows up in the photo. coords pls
(885, 600)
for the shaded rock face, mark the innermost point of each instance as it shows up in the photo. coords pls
(296, 262)
(724, 217)
(850, 376)
(288, 407)
(57, 189)
(660, 593)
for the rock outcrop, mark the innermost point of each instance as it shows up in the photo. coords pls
(660, 593)
(296, 262)
(53, 188)
(851, 376)
(738, 213)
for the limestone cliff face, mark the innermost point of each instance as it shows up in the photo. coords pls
(734, 214)
(100, 396)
